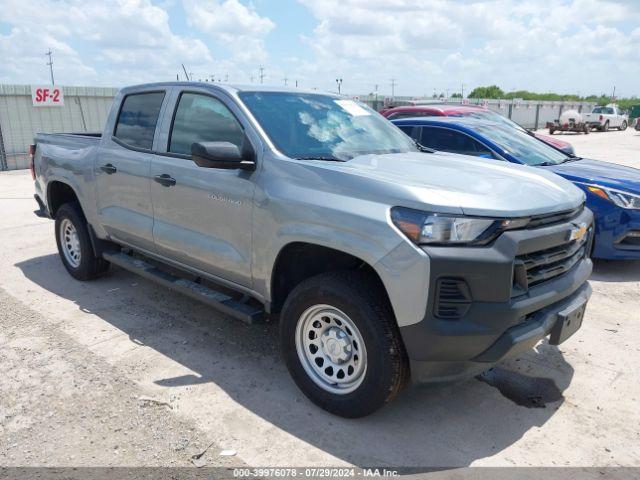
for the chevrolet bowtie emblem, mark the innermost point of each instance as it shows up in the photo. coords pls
(578, 231)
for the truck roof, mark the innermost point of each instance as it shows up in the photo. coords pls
(229, 88)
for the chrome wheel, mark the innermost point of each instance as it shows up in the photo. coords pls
(70, 243)
(331, 349)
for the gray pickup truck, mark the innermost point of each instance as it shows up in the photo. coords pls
(381, 261)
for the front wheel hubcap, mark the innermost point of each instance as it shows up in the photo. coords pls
(331, 349)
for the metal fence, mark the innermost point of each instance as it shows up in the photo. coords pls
(85, 109)
(528, 113)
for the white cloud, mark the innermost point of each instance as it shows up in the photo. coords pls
(127, 40)
(237, 26)
(437, 44)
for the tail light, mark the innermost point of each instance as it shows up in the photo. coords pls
(32, 155)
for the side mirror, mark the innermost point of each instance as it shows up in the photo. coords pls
(220, 155)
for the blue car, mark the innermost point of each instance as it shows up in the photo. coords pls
(613, 191)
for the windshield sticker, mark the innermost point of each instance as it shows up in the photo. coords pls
(352, 108)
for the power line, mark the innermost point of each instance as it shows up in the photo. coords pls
(50, 63)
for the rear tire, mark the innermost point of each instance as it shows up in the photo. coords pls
(605, 127)
(341, 343)
(74, 244)
(623, 127)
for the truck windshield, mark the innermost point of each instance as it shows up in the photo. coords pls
(523, 146)
(324, 127)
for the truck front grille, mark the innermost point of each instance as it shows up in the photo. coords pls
(554, 218)
(538, 267)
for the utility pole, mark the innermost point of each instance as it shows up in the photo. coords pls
(226, 78)
(613, 96)
(462, 89)
(285, 79)
(252, 78)
(50, 63)
(296, 83)
(339, 83)
(393, 88)
(261, 74)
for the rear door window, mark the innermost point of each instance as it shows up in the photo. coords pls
(447, 140)
(202, 118)
(138, 118)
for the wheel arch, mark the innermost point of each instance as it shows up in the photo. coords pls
(59, 193)
(300, 260)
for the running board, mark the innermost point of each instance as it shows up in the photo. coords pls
(218, 300)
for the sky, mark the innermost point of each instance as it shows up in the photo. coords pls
(422, 46)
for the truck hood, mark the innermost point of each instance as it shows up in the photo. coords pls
(449, 182)
(601, 173)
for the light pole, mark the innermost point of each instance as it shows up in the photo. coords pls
(50, 63)
(339, 83)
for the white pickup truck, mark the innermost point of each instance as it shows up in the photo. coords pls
(604, 118)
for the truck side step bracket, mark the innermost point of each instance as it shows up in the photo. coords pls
(216, 299)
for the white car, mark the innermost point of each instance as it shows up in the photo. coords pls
(604, 118)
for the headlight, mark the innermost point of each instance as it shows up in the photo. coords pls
(621, 199)
(426, 228)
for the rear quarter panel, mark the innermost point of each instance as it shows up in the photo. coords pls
(67, 159)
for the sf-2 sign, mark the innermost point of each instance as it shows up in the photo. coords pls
(47, 96)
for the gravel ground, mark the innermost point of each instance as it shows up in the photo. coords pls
(76, 358)
(64, 406)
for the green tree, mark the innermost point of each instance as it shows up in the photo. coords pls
(492, 91)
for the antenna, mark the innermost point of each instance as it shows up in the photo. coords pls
(50, 63)
(185, 72)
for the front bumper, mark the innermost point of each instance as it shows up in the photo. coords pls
(498, 322)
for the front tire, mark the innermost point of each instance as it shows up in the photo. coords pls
(623, 127)
(341, 344)
(74, 244)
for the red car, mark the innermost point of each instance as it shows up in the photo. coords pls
(471, 111)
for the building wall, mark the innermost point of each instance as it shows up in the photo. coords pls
(85, 109)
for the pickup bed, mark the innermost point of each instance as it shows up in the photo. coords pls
(381, 261)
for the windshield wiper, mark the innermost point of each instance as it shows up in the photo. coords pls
(422, 148)
(571, 159)
(320, 157)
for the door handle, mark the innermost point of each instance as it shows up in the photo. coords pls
(108, 169)
(165, 180)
